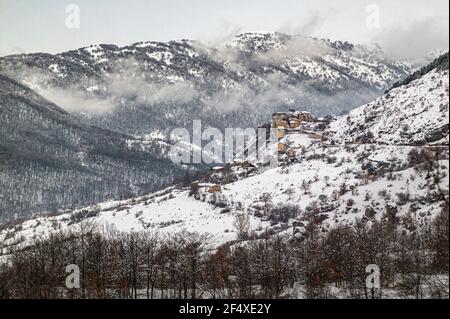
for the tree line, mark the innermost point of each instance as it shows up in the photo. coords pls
(413, 264)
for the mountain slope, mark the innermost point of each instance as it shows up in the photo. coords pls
(415, 112)
(338, 186)
(50, 160)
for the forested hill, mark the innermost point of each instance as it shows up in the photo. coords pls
(441, 63)
(50, 160)
(149, 86)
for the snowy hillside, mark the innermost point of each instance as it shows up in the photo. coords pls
(413, 113)
(327, 185)
(329, 180)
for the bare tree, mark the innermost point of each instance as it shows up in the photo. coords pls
(242, 225)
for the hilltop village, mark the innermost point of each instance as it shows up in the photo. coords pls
(295, 131)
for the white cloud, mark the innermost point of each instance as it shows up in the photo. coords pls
(73, 100)
(416, 39)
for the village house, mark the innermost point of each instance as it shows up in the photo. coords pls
(291, 119)
(210, 188)
(218, 169)
(282, 147)
(305, 117)
(214, 189)
(280, 123)
(279, 116)
(280, 132)
(243, 164)
(295, 123)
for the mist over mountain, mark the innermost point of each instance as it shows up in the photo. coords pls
(153, 86)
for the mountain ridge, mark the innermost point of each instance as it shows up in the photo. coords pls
(181, 80)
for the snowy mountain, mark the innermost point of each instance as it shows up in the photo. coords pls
(151, 86)
(145, 90)
(413, 112)
(51, 160)
(333, 178)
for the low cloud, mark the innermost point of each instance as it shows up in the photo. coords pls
(128, 81)
(73, 100)
(125, 83)
(12, 50)
(295, 47)
(132, 82)
(307, 28)
(415, 40)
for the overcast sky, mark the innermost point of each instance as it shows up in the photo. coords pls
(404, 27)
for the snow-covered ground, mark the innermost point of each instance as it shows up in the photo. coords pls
(335, 181)
(415, 113)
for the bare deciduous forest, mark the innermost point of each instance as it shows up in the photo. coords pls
(146, 265)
